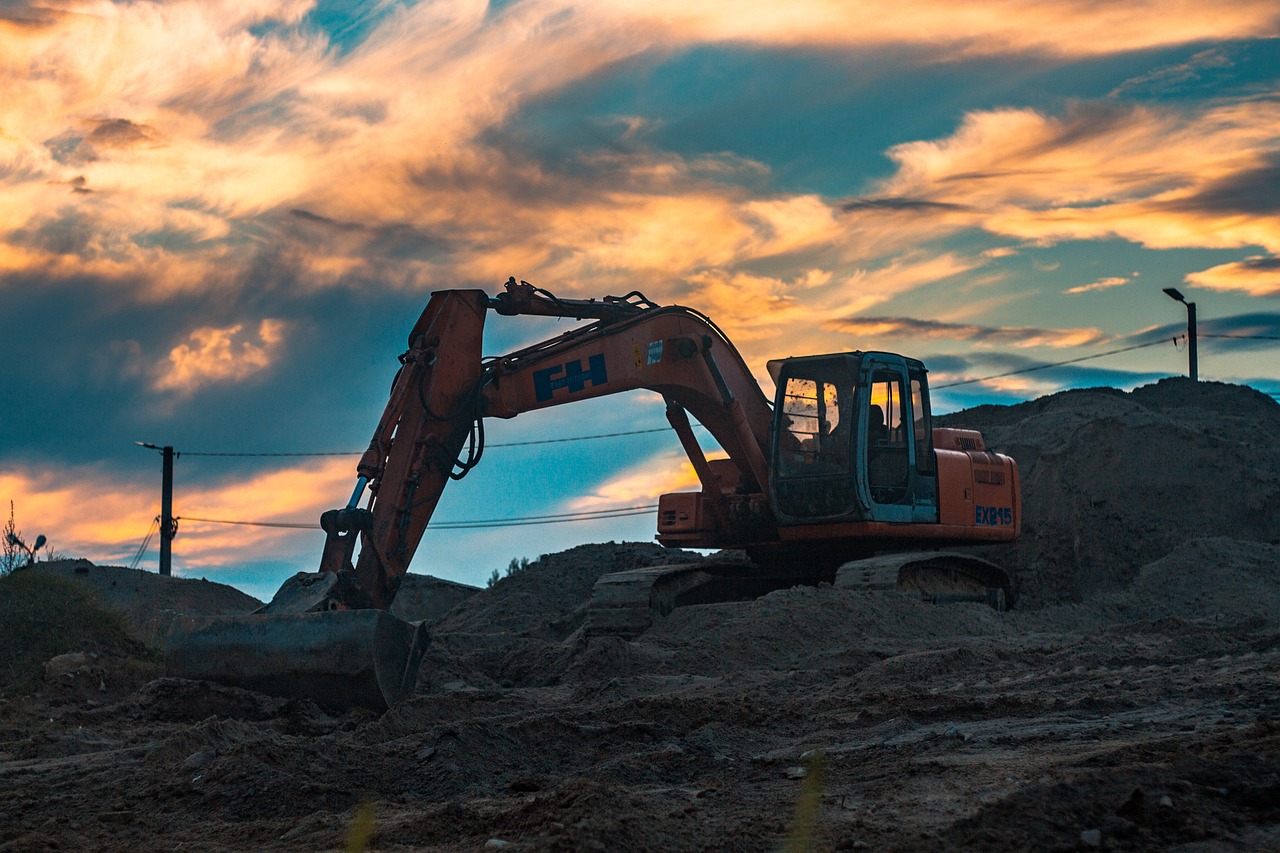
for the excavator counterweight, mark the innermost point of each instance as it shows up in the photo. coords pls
(841, 465)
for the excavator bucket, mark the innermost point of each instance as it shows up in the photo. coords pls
(340, 659)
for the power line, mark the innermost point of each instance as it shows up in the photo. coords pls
(1244, 337)
(332, 453)
(1053, 364)
(469, 524)
(487, 444)
(456, 525)
(578, 437)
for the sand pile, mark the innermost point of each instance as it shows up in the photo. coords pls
(1113, 480)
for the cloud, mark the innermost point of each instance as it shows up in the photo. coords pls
(1162, 178)
(642, 482)
(1257, 275)
(1169, 79)
(1101, 284)
(1079, 28)
(220, 355)
(875, 327)
(959, 381)
(1235, 330)
(765, 315)
(239, 116)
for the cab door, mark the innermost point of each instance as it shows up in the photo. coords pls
(812, 475)
(897, 478)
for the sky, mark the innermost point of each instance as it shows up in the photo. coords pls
(220, 219)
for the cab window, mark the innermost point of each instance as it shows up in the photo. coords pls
(923, 428)
(815, 435)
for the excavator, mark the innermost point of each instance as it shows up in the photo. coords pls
(840, 478)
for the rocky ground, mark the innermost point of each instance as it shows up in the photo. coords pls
(1131, 702)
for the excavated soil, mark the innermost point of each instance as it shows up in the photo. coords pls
(1131, 702)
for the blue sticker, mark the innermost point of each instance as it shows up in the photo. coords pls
(655, 352)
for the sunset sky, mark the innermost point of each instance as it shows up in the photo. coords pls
(220, 219)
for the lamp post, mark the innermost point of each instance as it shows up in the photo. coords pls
(1192, 359)
(31, 552)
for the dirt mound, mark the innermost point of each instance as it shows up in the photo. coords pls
(547, 598)
(526, 628)
(150, 601)
(58, 632)
(1113, 480)
(426, 598)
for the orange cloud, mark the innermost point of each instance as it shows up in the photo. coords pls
(641, 484)
(1156, 177)
(220, 355)
(1101, 284)
(1078, 28)
(1257, 276)
(186, 120)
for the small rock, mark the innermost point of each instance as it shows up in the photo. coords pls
(200, 759)
(796, 772)
(67, 664)
(497, 844)
(1166, 802)
(1091, 837)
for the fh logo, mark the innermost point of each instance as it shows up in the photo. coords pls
(546, 381)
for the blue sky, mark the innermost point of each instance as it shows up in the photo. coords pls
(221, 220)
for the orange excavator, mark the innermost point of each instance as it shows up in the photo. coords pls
(841, 478)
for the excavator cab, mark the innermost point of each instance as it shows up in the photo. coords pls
(852, 440)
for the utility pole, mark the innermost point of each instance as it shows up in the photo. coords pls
(168, 524)
(168, 528)
(1193, 361)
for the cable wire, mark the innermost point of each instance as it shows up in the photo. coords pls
(468, 524)
(333, 453)
(1047, 366)
(142, 549)
(487, 444)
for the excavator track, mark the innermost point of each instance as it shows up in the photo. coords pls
(938, 577)
(628, 603)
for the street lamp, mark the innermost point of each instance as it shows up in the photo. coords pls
(31, 552)
(1193, 361)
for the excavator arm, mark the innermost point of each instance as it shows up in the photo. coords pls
(432, 429)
